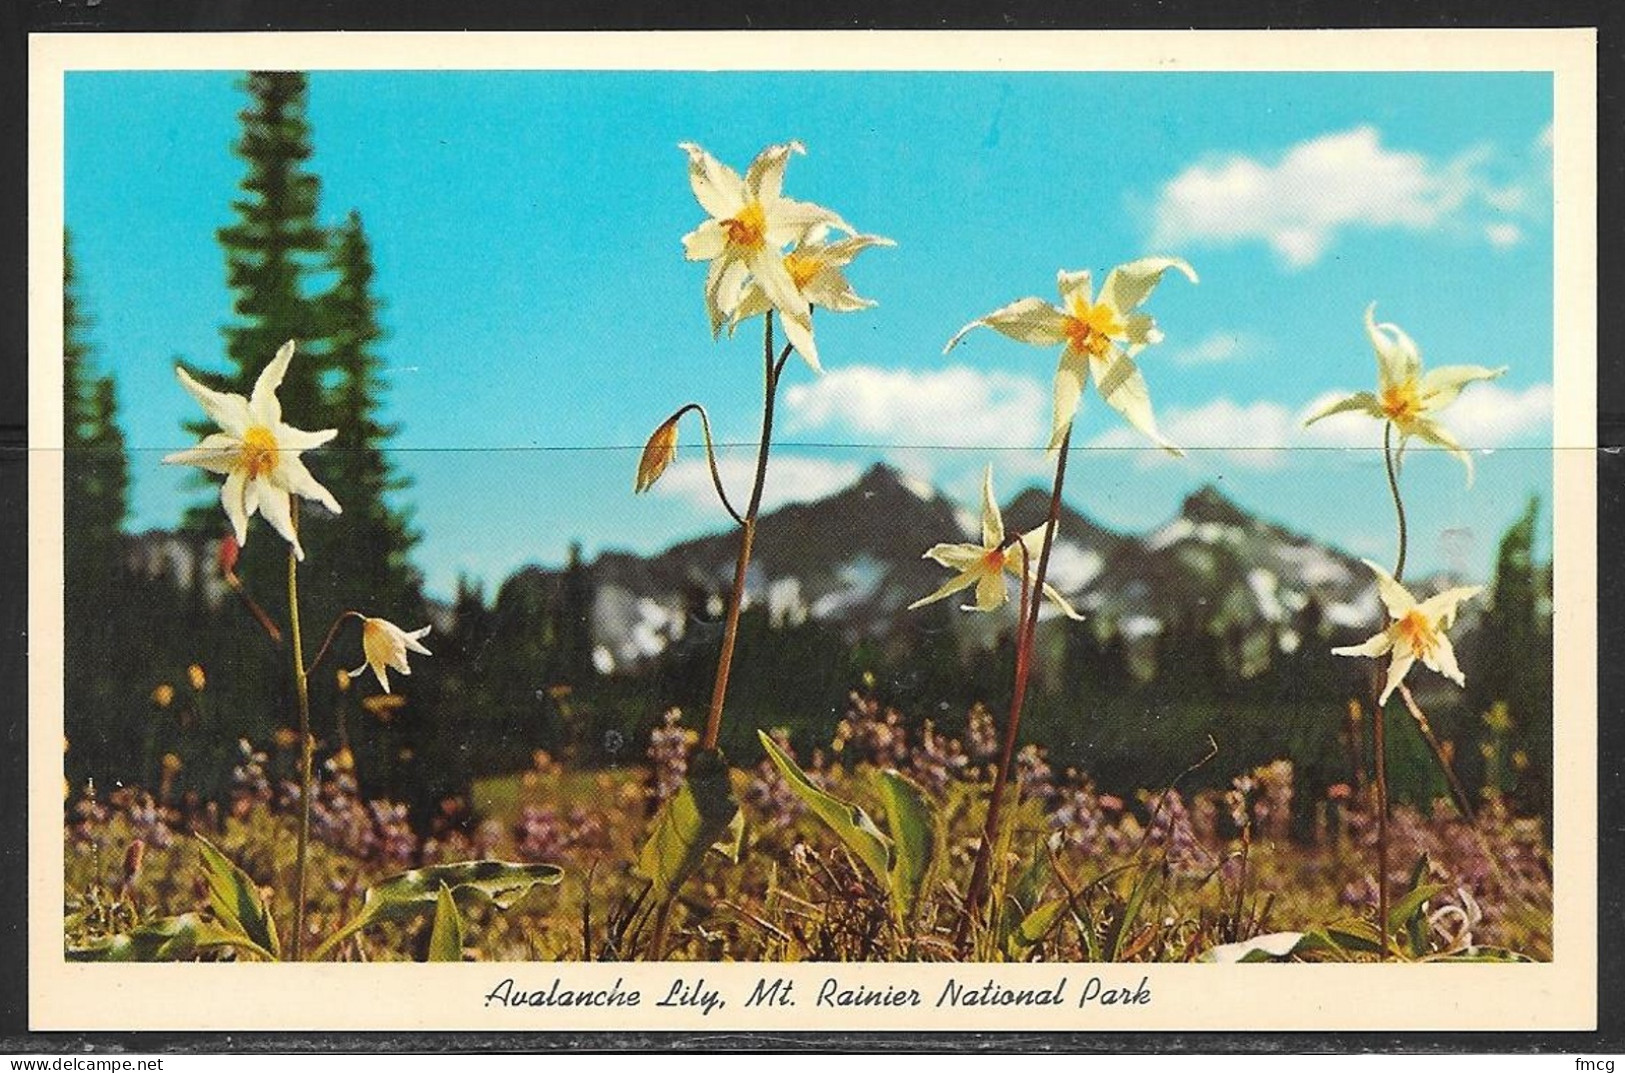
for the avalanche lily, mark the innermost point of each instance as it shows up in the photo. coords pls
(750, 224)
(1099, 337)
(1406, 397)
(984, 565)
(258, 454)
(815, 268)
(384, 645)
(1417, 631)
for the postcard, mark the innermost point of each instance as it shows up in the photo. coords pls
(845, 531)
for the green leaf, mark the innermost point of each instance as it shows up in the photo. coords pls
(235, 900)
(1276, 946)
(917, 842)
(1124, 924)
(1409, 908)
(1357, 935)
(177, 938)
(848, 821)
(689, 824)
(1033, 928)
(411, 894)
(446, 940)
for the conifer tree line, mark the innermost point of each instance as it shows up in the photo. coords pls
(515, 673)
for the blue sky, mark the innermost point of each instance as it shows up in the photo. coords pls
(542, 320)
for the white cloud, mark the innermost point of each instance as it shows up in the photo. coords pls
(956, 406)
(790, 479)
(1262, 435)
(1503, 235)
(1250, 435)
(1213, 348)
(1300, 203)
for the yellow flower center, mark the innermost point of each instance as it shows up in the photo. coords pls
(258, 456)
(1402, 402)
(1416, 631)
(1091, 329)
(802, 268)
(749, 227)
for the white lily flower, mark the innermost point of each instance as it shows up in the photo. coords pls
(1417, 631)
(258, 454)
(984, 565)
(384, 645)
(1101, 337)
(1406, 397)
(751, 223)
(815, 268)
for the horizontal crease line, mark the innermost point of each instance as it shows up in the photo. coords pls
(865, 446)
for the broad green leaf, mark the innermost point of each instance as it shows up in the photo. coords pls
(411, 894)
(916, 842)
(1023, 896)
(1357, 935)
(1033, 928)
(446, 940)
(1272, 947)
(691, 821)
(1409, 908)
(848, 821)
(177, 938)
(235, 899)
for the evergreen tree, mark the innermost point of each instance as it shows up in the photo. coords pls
(373, 544)
(1513, 662)
(94, 504)
(573, 625)
(272, 249)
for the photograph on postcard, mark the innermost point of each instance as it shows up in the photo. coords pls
(803, 516)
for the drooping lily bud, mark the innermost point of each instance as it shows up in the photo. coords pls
(658, 453)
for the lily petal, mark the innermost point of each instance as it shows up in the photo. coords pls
(1124, 390)
(798, 331)
(296, 478)
(962, 581)
(992, 520)
(1140, 329)
(1070, 376)
(1442, 658)
(767, 268)
(1442, 608)
(1075, 285)
(1431, 432)
(1362, 401)
(1030, 320)
(233, 499)
(293, 439)
(263, 402)
(226, 409)
(717, 187)
(1397, 667)
(955, 556)
(991, 591)
(279, 512)
(1372, 647)
(217, 453)
(789, 220)
(1395, 597)
(1439, 387)
(764, 179)
(706, 241)
(1397, 356)
(1127, 286)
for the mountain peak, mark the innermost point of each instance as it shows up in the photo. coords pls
(1208, 504)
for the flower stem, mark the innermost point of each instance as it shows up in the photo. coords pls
(327, 643)
(301, 683)
(1380, 716)
(1399, 504)
(1026, 633)
(747, 539)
